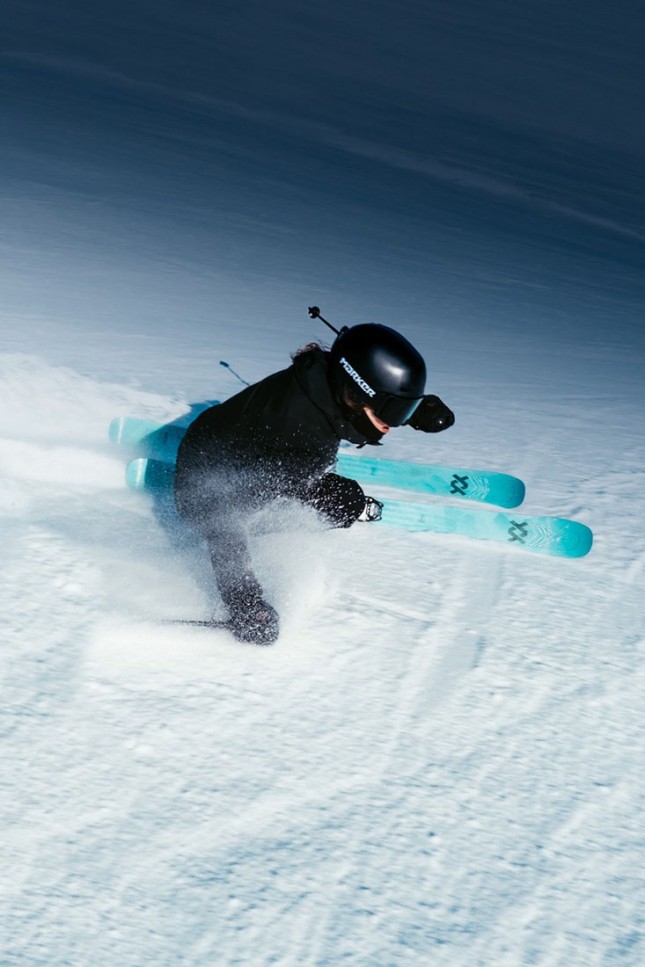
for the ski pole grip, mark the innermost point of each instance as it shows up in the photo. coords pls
(314, 312)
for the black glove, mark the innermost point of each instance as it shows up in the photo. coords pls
(340, 499)
(251, 618)
(431, 416)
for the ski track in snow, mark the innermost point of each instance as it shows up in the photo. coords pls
(439, 762)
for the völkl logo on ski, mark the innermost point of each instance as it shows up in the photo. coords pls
(518, 531)
(459, 485)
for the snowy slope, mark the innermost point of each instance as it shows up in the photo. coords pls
(438, 763)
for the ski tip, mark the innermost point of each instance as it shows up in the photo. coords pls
(576, 540)
(584, 539)
(556, 536)
(513, 494)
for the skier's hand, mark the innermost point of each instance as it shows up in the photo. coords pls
(259, 627)
(340, 499)
(431, 416)
(251, 617)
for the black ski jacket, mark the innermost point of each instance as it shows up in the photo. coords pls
(273, 439)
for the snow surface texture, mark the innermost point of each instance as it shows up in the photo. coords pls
(439, 761)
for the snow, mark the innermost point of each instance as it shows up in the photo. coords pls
(439, 762)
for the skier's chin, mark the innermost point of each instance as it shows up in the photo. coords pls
(374, 420)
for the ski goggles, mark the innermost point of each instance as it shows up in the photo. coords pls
(394, 410)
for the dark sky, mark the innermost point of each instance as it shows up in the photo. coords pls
(476, 157)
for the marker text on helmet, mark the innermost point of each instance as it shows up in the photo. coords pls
(357, 379)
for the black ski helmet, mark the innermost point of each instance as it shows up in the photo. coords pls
(376, 366)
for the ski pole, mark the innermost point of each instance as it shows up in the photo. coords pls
(228, 366)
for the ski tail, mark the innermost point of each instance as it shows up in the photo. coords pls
(151, 476)
(146, 438)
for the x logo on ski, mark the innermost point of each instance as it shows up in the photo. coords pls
(459, 485)
(518, 531)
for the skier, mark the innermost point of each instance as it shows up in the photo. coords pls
(280, 437)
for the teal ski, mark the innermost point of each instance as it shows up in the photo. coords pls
(161, 442)
(150, 476)
(557, 536)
